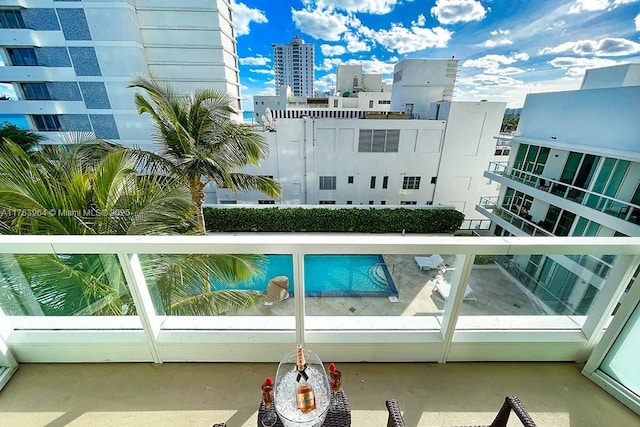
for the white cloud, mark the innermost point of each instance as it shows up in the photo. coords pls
(379, 7)
(609, 46)
(413, 39)
(329, 63)
(261, 71)
(420, 22)
(325, 83)
(332, 50)
(244, 15)
(638, 22)
(499, 32)
(452, 11)
(492, 63)
(319, 24)
(576, 67)
(488, 80)
(373, 65)
(593, 5)
(499, 42)
(354, 44)
(254, 60)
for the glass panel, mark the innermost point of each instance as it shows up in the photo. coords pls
(587, 168)
(564, 224)
(536, 284)
(621, 362)
(399, 285)
(616, 178)
(63, 285)
(570, 167)
(522, 152)
(220, 284)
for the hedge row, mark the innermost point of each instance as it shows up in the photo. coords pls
(336, 220)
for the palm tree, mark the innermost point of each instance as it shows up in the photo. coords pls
(24, 138)
(94, 189)
(199, 143)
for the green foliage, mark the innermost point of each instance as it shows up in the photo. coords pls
(484, 259)
(27, 140)
(510, 123)
(333, 220)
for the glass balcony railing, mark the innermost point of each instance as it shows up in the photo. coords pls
(599, 266)
(179, 298)
(529, 227)
(608, 205)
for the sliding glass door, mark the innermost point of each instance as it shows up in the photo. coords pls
(614, 362)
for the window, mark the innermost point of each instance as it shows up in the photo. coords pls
(47, 123)
(335, 103)
(11, 19)
(429, 203)
(409, 202)
(434, 179)
(349, 202)
(411, 183)
(327, 202)
(385, 182)
(378, 141)
(384, 101)
(373, 182)
(350, 180)
(35, 91)
(371, 103)
(327, 183)
(23, 57)
(383, 202)
(266, 202)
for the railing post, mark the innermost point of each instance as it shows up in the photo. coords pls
(299, 300)
(461, 275)
(130, 264)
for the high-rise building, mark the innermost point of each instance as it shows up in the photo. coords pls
(574, 170)
(293, 66)
(70, 62)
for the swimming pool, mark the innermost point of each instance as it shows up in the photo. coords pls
(327, 275)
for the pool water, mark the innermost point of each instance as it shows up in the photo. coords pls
(326, 275)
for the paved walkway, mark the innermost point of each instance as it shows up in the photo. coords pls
(495, 294)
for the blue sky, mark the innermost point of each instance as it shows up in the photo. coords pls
(506, 48)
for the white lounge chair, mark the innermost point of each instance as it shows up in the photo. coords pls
(431, 262)
(444, 289)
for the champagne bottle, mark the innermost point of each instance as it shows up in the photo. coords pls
(305, 396)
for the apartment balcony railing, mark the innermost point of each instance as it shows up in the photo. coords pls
(599, 265)
(597, 201)
(426, 325)
(526, 225)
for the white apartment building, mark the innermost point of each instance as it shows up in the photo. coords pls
(356, 94)
(70, 62)
(381, 161)
(293, 66)
(574, 170)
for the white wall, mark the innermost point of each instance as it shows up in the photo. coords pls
(469, 146)
(599, 118)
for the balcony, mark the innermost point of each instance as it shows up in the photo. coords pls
(598, 202)
(189, 394)
(505, 323)
(36, 74)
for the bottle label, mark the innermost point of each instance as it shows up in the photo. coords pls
(305, 398)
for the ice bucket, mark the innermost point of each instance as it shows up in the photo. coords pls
(285, 391)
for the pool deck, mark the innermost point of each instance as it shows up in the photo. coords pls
(495, 294)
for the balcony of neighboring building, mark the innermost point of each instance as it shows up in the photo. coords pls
(614, 213)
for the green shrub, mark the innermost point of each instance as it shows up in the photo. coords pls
(484, 259)
(336, 220)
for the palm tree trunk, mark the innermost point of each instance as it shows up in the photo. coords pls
(198, 197)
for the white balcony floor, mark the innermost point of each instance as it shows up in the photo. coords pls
(53, 395)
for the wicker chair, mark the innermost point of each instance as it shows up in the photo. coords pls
(395, 417)
(511, 403)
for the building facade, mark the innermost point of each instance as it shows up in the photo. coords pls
(70, 63)
(293, 66)
(574, 170)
